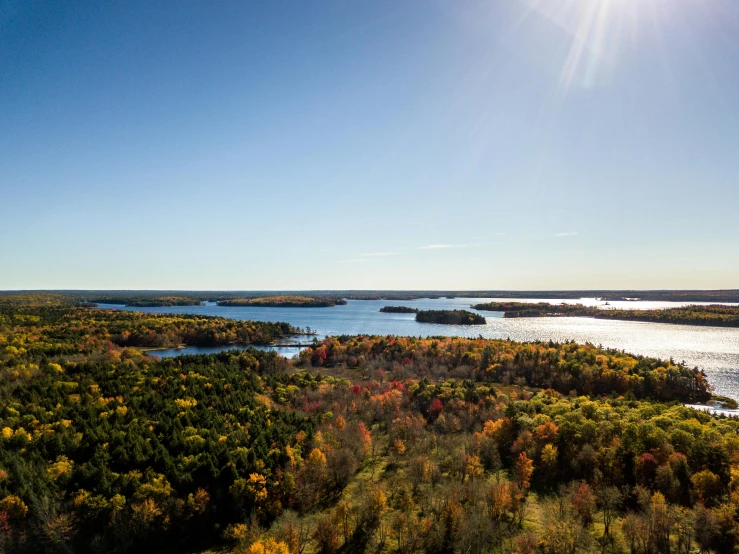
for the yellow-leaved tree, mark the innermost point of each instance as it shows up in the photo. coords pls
(268, 546)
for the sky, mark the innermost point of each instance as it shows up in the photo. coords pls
(382, 144)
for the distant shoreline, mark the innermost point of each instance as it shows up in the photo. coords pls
(715, 315)
(284, 302)
(624, 295)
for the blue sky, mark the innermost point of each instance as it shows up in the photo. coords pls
(516, 144)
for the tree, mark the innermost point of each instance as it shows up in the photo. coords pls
(327, 540)
(635, 530)
(647, 469)
(563, 530)
(198, 502)
(666, 483)
(294, 531)
(268, 546)
(398, 527)
(371, 511)
(725, 517)
(609, 501)
(549, 456)
(498, 499)
(662, 518)
(365, 438)
(317, 459)
(546, 433)
(435, 408)
(684, 530)
(472, 467)
(341, 516)
(487, 446)
(584, 502)
(341, 465)
(251, 493)
(524, 469)
(526, 543)
(419, 471)
(14, 507)
(58, 529)
(707, 485)
(704, 527)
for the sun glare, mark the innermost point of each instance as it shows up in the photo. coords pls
(600, 31)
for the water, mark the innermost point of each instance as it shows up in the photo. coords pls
(713, 349)
(286, 351)
(728, 412)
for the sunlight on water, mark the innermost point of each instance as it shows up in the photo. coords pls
(286, 351)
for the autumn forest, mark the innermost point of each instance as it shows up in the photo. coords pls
(359, 444)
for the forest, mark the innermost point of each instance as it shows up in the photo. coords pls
(147, 301)
(361, 444)
(124, 297)
(284, 302)
(450, 317)
(716, 315)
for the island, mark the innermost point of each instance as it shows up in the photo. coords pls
(145, 301)
(284, 302)
(715, 315)
(450, 317)
(399, 310)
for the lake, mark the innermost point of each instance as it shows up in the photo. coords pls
(286, 351)
(713, 349)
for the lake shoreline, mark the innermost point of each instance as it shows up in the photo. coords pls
(713, 349)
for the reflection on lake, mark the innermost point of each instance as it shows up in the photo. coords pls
(286, 351)
(714, 410)
(713, 349)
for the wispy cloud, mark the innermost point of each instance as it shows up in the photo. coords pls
(379, 254)
(353, 261)
(567, 234)
(441, 246)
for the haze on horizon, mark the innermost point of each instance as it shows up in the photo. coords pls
(423, 144)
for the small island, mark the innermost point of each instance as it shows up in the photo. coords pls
(284, 302)
(450, 317)
(715, 315)
(399, 310)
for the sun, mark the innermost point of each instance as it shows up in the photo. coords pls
(600, 32)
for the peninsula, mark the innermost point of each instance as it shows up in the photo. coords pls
(716, 315)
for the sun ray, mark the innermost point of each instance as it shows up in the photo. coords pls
(597, 30)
